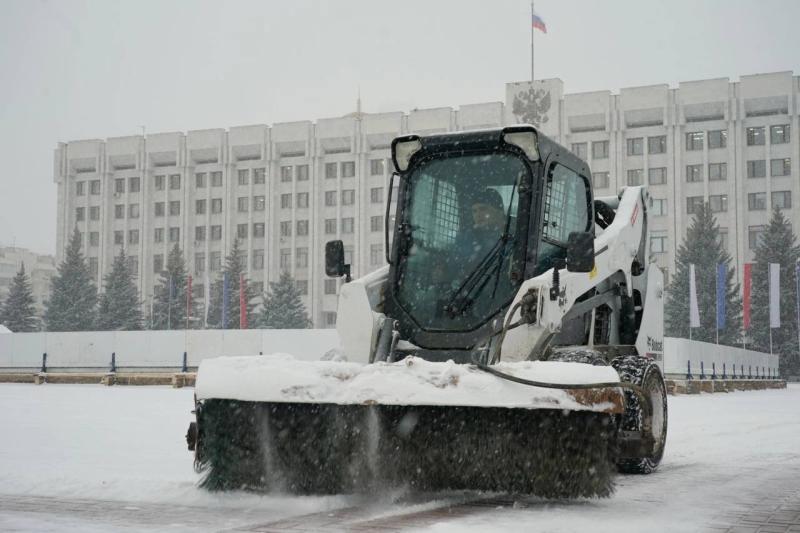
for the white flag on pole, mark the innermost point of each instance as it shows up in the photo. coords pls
(774, 295)
(694, 311)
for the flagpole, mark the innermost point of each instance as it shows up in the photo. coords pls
(797, 298)
(533, 30)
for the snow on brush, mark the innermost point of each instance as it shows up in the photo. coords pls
(281, 378)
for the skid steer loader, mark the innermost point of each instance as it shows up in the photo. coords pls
(513, 341)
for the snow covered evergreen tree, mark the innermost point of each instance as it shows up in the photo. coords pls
(169, 300)
(235, 267)
(703, 248)
(119, 303)
(18, 312)
(778, 244)
(283, 308)
(73, 297)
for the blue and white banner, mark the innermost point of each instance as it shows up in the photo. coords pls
(774, 295)
(694, 312)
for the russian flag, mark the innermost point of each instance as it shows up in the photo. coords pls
(538, 23)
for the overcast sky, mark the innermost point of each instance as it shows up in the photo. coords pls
(77, 69)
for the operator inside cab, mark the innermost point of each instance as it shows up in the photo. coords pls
(488, 224)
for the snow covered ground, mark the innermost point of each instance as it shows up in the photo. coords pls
(93, 458)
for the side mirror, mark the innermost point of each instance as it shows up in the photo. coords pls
(334, 260)
(580, 252)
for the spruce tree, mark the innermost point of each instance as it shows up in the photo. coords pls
(283, 308)
(777, 245)
(169, 298)
(703, 248)
(119, 303)
(18, 312)
(73, 297)
(235, 267)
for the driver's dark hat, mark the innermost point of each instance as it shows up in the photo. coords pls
(489, 197)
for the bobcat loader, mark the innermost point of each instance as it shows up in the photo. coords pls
(513, 342)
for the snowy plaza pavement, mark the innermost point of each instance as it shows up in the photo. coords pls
(93, 458)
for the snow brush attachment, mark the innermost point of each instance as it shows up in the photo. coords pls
(275, 424)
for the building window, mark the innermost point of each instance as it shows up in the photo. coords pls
(119, 185)
(119, 211)
(158, 235)
(93, 266)
(348, 197)
(657, 144)
(199, 263)
(133, 211)
(174, 208)
(376, 254)
(755, 136)
(244, 176)
(600, 180)
(134, 184)
(347, 225)
(286, 200)
(330, 286)
(94, 187)
(376, 223)
(285, 258)
(199, 233)
(756, 201)
(259, 203)
(241, 231)
(756, 169)
(301, 172)
(200, 180)
(158, 182)
(175, 182)
(376, 167)
(723, 238)
(330, 226)
(119, 237)
(580, 150)
(198, 291)
(258, 229)
(158, 263)
(159, 209)
(216, 232)
(242, 204)
(286, 173)
(330, 318)
(200, 207)
(133, 236)
(174, 234)
(635, 146)
(782, 199)
(258, 260)
(376, 195)
(657, 176)
(259, 176)
(694, 141)
(635, 176)
(133, 265)
(693, 204)
(658, 244)
(215, 261)
(754, 236)
(94, 238)
(694, 173)
(330, 171)
(302, 228)
(302, 200)
(94, 212)
(717, 139)
(659, 207)
(780, 167)
(216, 205)
(779, 134)
(718, 203)
(348, 169)
(301, 257)
(80, 214)
(286, 228)
(600, 150)
(80, 188)
(330, 198)
(216, 179)
(717, 171)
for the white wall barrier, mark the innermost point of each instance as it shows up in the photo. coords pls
(91, 350)
(682, 356)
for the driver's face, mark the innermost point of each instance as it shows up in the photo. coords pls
(485, 216)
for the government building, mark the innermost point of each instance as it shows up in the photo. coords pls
(285, 189)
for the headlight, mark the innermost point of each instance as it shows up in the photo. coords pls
(402, 150)
(525, 138)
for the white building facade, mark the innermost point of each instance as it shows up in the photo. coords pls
(286, 189)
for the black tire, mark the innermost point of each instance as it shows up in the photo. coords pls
(577, 354)
(638, 418)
